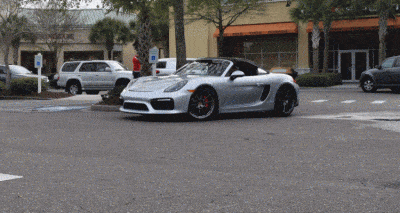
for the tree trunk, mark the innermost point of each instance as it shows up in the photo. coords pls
(383, 19)
(221, 42)
(327, 27)
(6, 55)
(145, 43)
(15, 53)
(315, 43)
(179, 33)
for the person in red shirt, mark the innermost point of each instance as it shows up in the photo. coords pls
(136, 67)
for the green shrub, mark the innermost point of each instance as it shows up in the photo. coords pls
(26, 86)
(112, 97)
(319, 79)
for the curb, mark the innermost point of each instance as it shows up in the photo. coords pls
(105, 108)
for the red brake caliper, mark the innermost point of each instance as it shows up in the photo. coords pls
(206, 101)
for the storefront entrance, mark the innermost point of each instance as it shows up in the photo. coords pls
(351, 63)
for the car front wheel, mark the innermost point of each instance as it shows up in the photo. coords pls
(368, 85)
(284, 102)
(203, 104)
(74, 88)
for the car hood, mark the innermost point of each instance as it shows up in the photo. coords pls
(154, 83)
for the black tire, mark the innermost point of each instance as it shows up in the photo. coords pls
(74, 88)
(285, 101)
(92, 92)
(203, 104)
(368, 85)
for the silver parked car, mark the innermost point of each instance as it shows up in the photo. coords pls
(18, 72)
(92, 76)
(210, 86)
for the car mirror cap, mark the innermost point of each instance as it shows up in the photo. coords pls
(379, 67)
(236, 74)
(108, 69)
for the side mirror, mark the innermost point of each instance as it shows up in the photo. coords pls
(108, 69)
(236, 74)
(379, 67)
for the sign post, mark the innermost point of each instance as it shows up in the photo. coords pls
(38, 65)
(153, 59)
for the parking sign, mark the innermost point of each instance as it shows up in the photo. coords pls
(153, 55)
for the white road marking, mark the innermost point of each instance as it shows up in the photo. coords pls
(348, 101)
(378, 102)
(387, 120)
(4, 177)
(319, 101)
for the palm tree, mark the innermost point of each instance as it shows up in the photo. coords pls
(110, 31)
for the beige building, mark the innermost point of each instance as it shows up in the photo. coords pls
(270, 38)
(76, 44)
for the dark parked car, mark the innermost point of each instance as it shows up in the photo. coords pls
(386, 75)
(18, 72)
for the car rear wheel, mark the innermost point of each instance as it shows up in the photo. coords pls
(74, 88)
(284, 102)
(368, 85)
(203, 104)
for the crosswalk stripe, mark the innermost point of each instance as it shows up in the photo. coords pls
(378, 102)
(348, 101)
(4, 177)
(319, 101)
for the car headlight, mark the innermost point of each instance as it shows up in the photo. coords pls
(176, 86)
(129, 84)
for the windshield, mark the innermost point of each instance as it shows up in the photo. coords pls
(19, 70)
(117, 66)
(204, 68)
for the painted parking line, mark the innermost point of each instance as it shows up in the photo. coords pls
(60, 108)
(4, 177)
(378, 102)
(319, 101)
(348, 101)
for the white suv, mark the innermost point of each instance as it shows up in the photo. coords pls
(92, 76)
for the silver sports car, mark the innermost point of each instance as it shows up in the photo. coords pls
(209, 86)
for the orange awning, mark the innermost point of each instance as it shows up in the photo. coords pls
(259, 29)
(357, 24)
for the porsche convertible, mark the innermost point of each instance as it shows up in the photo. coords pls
(208, 86)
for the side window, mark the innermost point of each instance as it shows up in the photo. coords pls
(88, 67)
(2, 70)
(161, 64)
(101, 67)
(69, 67)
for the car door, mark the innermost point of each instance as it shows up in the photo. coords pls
(395, 72)
(242, 92)
(88, 75)
(384, 75)
(105, 77)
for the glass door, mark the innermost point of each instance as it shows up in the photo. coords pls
(352, 63)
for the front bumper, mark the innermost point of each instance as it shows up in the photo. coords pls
(155, 102)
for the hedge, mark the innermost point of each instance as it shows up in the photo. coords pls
(26, 86)
(319, 79)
